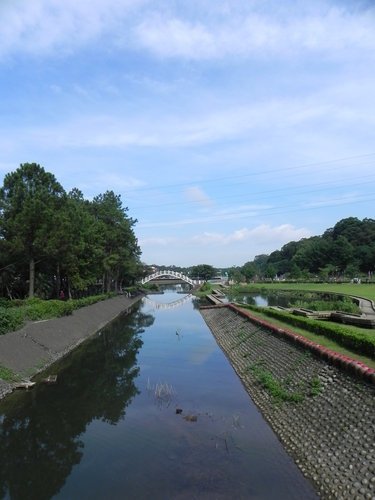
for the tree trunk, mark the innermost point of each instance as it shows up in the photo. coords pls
(9, 293)
(31, 277)
(58, 281)
(109, 279)
(69, 289)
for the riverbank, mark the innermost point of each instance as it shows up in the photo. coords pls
(323, 416)
(39, 344)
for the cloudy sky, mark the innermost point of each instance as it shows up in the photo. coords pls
(229, 127)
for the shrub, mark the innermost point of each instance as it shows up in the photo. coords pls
(37, 309)
(87, 301)
(345, 305)
(361, 342)
(13, 318)
(10, 319)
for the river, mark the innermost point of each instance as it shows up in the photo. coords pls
(149, 408)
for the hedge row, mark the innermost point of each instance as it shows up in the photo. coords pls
(14, 315)
(360, 342)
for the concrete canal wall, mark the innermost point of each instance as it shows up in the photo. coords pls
(39, 344)
(323, 415)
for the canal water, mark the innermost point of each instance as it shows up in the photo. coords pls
(149, 408)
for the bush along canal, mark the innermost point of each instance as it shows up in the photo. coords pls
(149, 407)
(324, 416)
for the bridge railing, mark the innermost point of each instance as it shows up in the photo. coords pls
(173, 274)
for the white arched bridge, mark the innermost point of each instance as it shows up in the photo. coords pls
(171, 274)
(167, 305)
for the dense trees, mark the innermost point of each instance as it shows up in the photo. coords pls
(55, 240)
(29, 199)
(347, 249)
(203, 272)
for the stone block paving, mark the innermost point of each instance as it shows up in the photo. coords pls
(330, 432)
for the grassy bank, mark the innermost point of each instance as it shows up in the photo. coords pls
(15, 313)
(359, 290)
(321, 339)
(351, 341)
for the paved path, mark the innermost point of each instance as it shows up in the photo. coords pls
(40, 343)
(366, 306)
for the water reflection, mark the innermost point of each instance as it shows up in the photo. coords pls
(168, 305)
(83, 439)
(40, 430)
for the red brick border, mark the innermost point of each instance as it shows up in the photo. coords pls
(346, 363)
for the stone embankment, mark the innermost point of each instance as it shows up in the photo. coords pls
(323, 415)
(39, 344)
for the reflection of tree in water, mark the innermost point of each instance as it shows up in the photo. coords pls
(39, 430)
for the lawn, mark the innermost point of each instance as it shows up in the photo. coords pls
(319, 339)
(359, 290)
(352, 289)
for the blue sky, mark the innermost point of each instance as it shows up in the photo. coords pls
(228, 127)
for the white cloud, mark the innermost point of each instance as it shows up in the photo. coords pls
(199, 220)
(289, 122)
(206, 31)
(109, 180)
(45, 26)
(260, 236)
(197, 195)
(220, 249)
(326, 32)
(243, 209)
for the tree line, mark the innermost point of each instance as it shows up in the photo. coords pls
(346, 250)
(53, 241)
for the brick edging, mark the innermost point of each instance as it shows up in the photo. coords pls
(346, 363)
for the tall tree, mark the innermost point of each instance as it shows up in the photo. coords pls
(29, 200)
(249, 271)
(203, 271)
(119, 249)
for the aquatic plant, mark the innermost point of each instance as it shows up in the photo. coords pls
(162, 392)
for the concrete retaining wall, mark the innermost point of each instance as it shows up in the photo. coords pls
(330, 433)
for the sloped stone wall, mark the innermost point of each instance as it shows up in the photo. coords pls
(330, 431)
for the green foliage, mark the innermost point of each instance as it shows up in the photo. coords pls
(206, 287)
(275, 388)
(203, 272)
(87, 301)
(11, 319)
(344, 304)
(344, 250)
(29, 198)
(280, 389)
(53, 240)
(237, 274)
(34, 309)
(315, 386)
(249, 271)
(366, 290)
(38, 309)
(7, 374)
(361, 342)
(151, 286)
